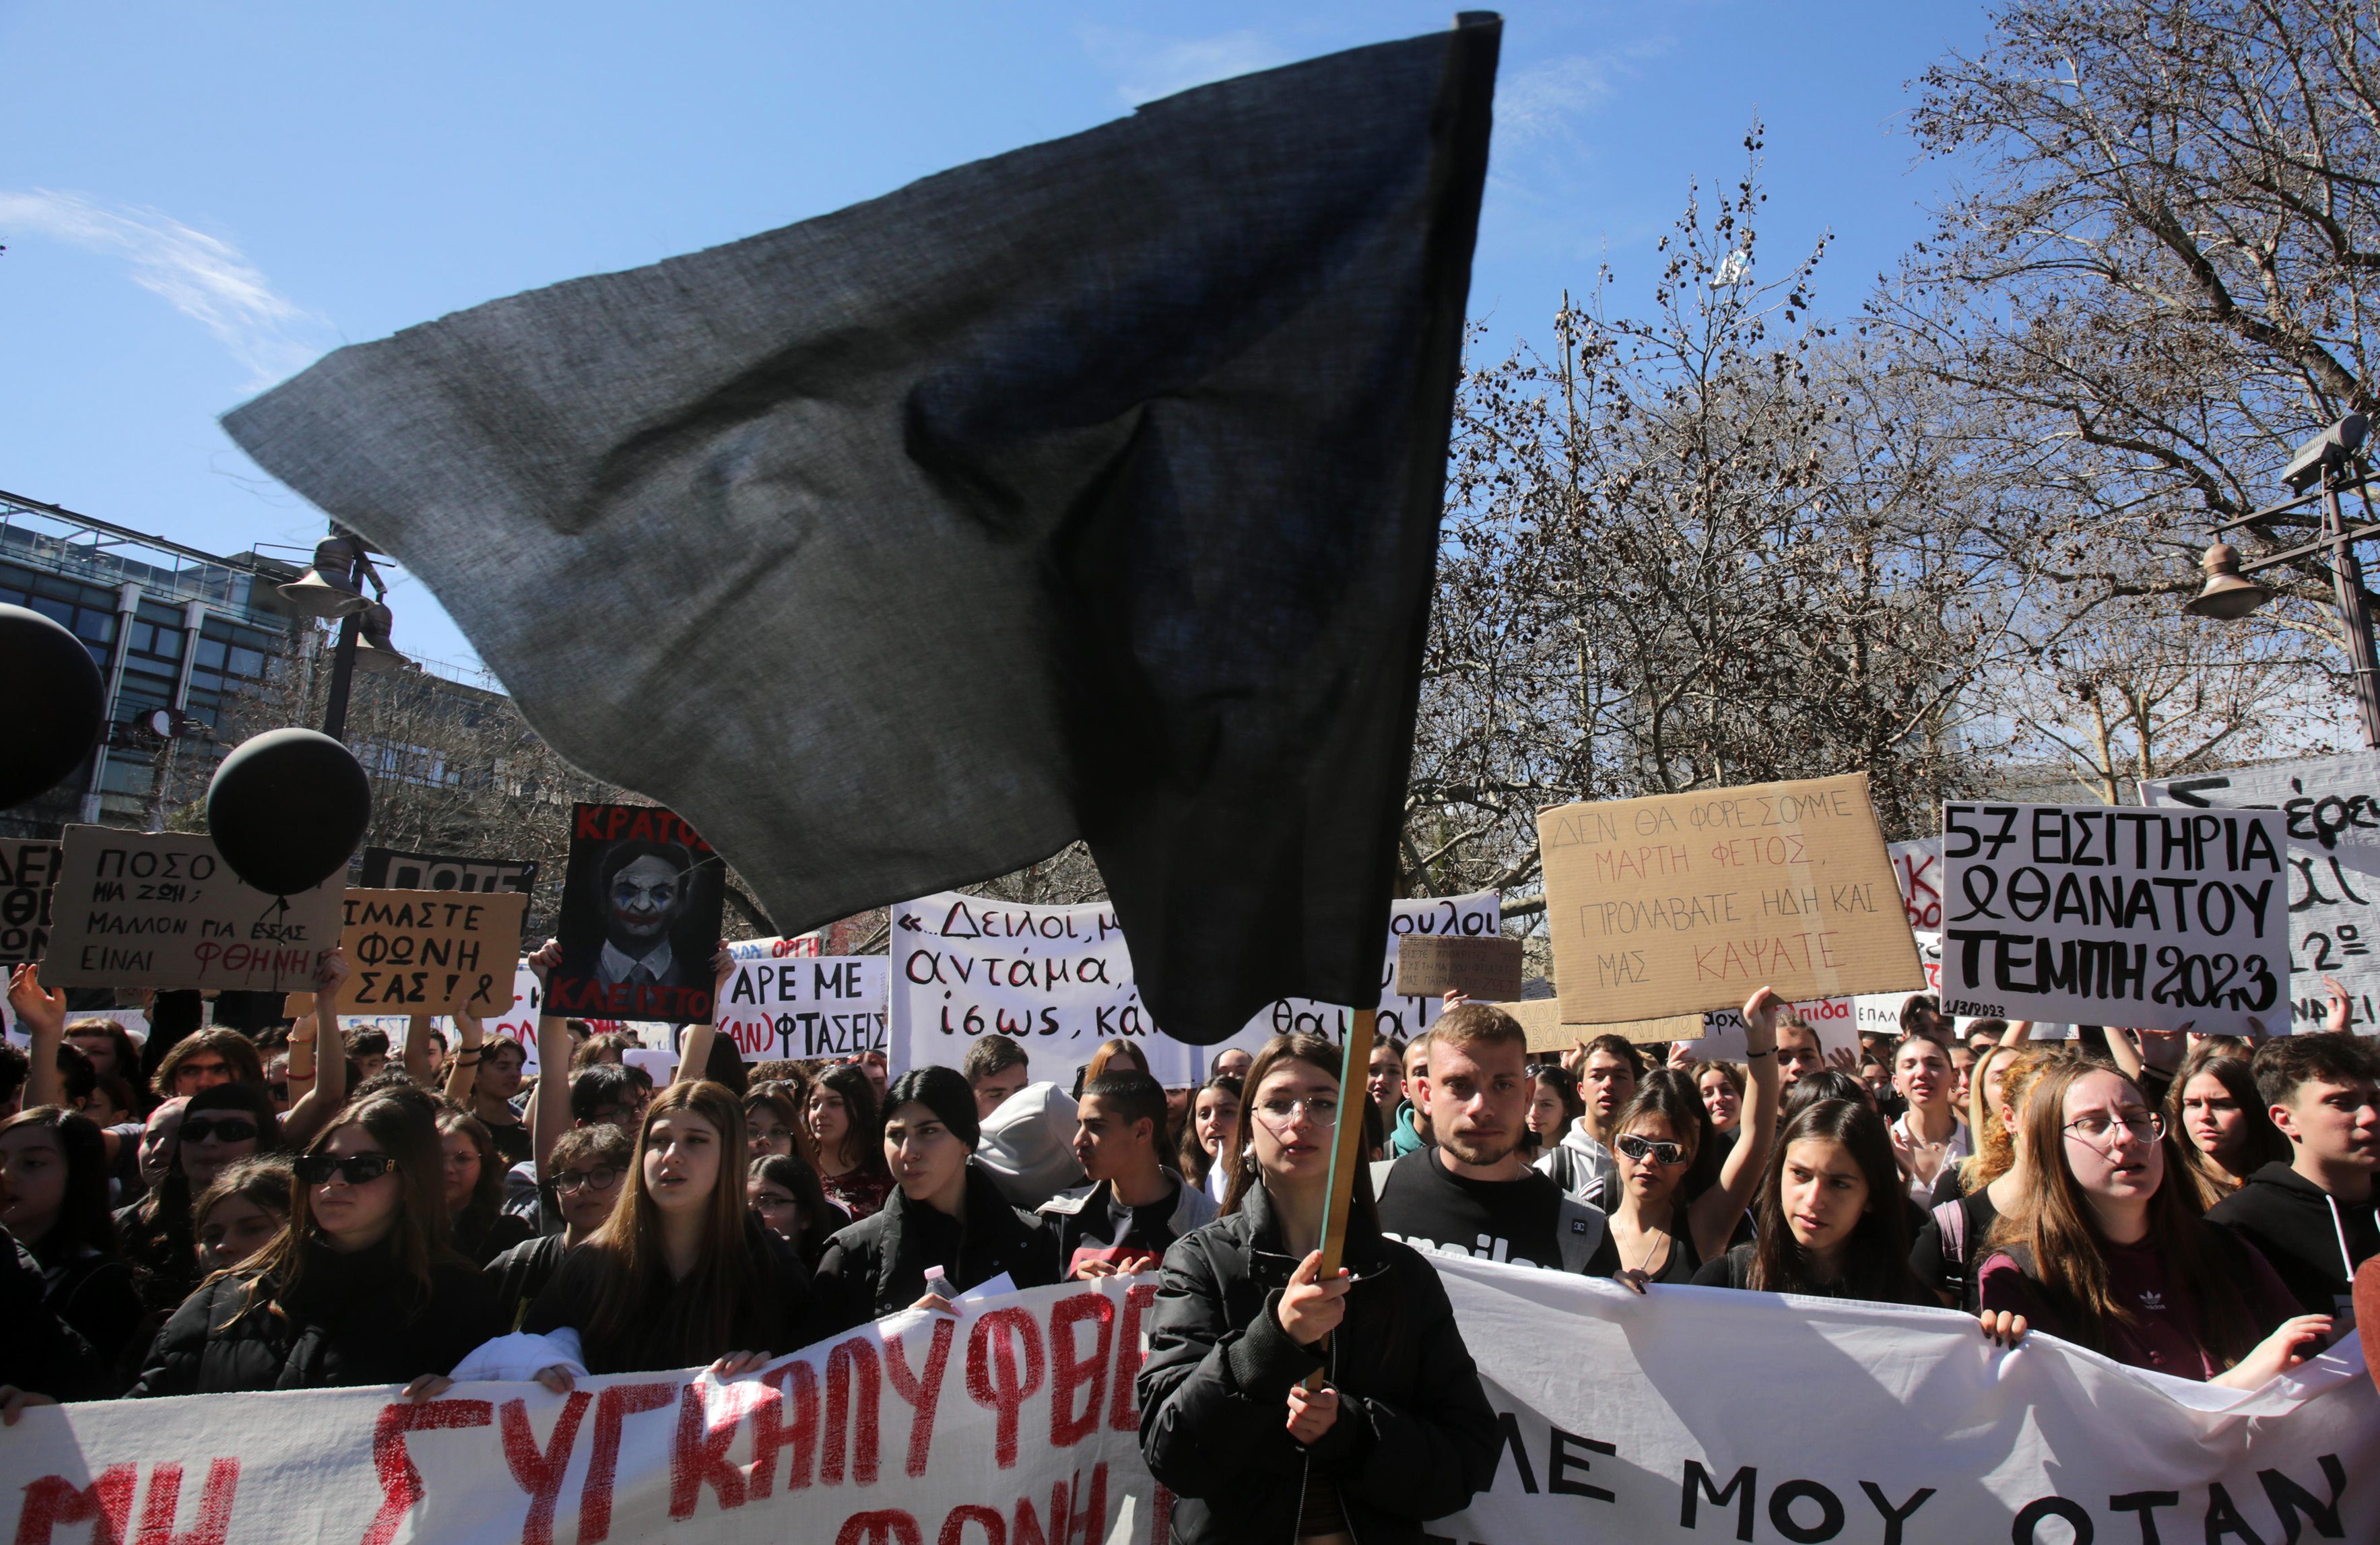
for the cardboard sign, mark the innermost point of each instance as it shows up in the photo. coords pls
(1484, 969)
(29, 869)
(806, 1006)
(384, 869)
(1542, 1018)
(2110, 915)
(639, 919)
(2332, 805)
(1683, 903)
(163, 909)
(430, 952)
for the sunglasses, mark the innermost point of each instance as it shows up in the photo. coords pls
(224, 1130)
(356, 1169)
(1642, 1148)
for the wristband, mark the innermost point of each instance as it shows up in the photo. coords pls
(1754, 1056)
(306, 1039)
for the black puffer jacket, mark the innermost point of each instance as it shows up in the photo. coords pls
(350, 1322)
(1416, 1438)
(878, 1265)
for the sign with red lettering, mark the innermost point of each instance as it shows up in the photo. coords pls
(792, 1005)
(640, 920)
(163, 909)
(1680, 903)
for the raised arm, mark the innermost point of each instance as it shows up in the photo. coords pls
(418, 1063)
(43, 1012)
(549, 1112)
(2124, 1051)
(694, 1046)
(463, 1067)
(2018, 1032)
(1714, 1213)
(328, 1053)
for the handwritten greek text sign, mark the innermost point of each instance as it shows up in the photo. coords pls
(2332, 806)
(430, 952)
(1678, 903)
(163, 909)
(1478, 915)
(1917, 869)
(792, 1005)
(2110, 915)
(29, 869)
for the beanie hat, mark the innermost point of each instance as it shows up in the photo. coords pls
(945, 1091)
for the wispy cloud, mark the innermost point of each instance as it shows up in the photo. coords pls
(1542, 104)
(204, 277)
(1145, 67)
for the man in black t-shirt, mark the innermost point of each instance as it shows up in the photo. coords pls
(1135, 1207)
(1474, 1193)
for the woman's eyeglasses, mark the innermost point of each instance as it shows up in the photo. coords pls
(602, 1177)
(1322, 1110)
(356, 1169)
(1642, 1148)
(224, 1130)
(2145, 1126)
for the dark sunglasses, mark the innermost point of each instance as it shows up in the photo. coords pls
(223, 1129)
(1642, 1148)
(356, 1169)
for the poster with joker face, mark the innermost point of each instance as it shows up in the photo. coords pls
(640, 915)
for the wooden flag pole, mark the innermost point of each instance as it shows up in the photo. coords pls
(1347, 1147)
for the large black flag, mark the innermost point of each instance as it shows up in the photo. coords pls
(1091, 490)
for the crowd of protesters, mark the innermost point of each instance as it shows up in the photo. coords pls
(211, 1210)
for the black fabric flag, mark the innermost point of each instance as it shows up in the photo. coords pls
(1091, 491)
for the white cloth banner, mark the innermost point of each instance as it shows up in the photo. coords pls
(804, 1005)
(1060, 978)
(1690, 1413)
(2332, 805)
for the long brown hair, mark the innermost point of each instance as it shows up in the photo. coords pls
(2053, 1224)
(1875, 1257)
(2225, 1065)
(1193, 1160)
(405, 1131)
(863, 1129)
(695, 1321)
(1108, 1055)
(84, 1222)
(1315, 1052)
(1994, 1144)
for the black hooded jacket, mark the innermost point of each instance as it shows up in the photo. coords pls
(1416, 1438)
(2299, 1227)
(878, 1265)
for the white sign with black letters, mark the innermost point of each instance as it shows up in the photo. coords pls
(822, 1005)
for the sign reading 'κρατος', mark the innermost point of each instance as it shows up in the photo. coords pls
(430, 952)
(2109, 914)
(1678, 903)
(28, 870)
(163, 909)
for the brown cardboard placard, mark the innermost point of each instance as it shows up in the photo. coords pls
(163, 909)
(430, 952)
(1548, 1031)
(1486, 969)
(1678, 903)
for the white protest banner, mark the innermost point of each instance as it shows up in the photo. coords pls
(163, 909)
(2332, 807)
(1833, 1019)
(520, 1020)
(28, 869)
(2107, 915)
(1477, 915)
(1879, 1013)
(1683, 1413)
(794, 1006)
(774, 948)
(1917, 869)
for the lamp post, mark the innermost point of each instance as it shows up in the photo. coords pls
(333, 590)
(2324, 468)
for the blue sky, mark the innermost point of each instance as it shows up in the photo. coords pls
(197, 201)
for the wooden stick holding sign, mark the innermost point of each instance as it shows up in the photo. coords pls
(1346, 1153)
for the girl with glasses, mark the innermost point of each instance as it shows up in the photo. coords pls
(1399, 1431)
(586, 1166)
(362, 1287)
(474, 1190)
(2107, 1249)
(786, 1196)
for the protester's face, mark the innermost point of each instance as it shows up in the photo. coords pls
(2338, 1124)
(99, 1049)
(213, 1139)
(924, 1154)
(1824, 1191)
(1878, 1080)
(1217, 1115)
(200, 1070)
(1478, 1098)
(1652, 1176)
(1996, 1085)
(1546, 1115)
(779, 1212)
(462, 1156)
(99, 1108)
(1416, 1067)
(370, 1065)
(1921, 1073)
(277, 1082)
(586, 1188)
(828, 1120)
(1606, 1083)
(32, 1181)
(874, 1068)
(1962, 1069)
(1106, 1144)
(1387, 1080)
(160, 1142)
(645, 899)
(1720, 1099)
(355, 1213)
(1295, 1114)
(233, 1230)
(1797, 1055)
(500, 1073)
(1234, 1063)
(2114, 1157)
(2210, 1118)
(767, 1131)
(1177, 1107)
(993, 1090)
(680, 1160)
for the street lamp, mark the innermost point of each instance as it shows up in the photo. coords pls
(2324, 468)
(333, 591)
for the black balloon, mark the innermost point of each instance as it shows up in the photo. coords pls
(287, 808)
(55, 703)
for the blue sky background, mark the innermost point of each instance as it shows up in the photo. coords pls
(198, 200)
